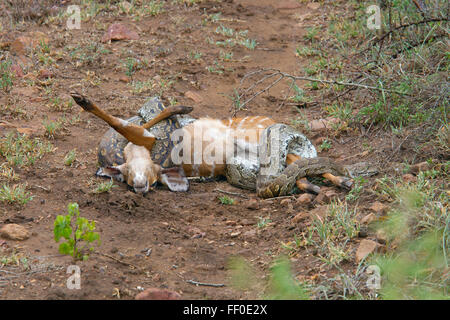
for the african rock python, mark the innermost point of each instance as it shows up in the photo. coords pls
(270, 178)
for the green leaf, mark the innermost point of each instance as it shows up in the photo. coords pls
(65, 248)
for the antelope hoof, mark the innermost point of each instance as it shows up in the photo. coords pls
(313, 189)
(82, 101)
(183, 109)
(346, 183)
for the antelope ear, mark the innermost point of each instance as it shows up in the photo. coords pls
(116, 172)
(174, 178)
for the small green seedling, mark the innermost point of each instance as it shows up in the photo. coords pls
(226, 200)
(325, 146)
(70, 157)
(75, 230)
(263, 222)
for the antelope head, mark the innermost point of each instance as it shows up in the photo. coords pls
(142, 174)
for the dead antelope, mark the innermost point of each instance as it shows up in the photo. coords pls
(140, 172)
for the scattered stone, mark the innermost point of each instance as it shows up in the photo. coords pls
(17, 47)
(199, 235)
(363, 232)
(305, 198)
(381, 236)
(313, 5)
(368, 218)
(235, 234)
(27, 131)
(158, 294)
(124, 79)
(321, 124)
(118, 31)
(196, 233)
(300, 217)
(230, 223)
(18, 72)
(319, 140)
(20, 45)
(408, 177)
(285, 202)
(247, 222)
(14, 232)
(325, 195)
(249, 234)
(252, 204)
(422, 166)
(379, 208)
(319, 212)
(44, 74)
(365, 248)
(194, 96)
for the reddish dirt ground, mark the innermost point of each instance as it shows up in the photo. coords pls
(168, 223)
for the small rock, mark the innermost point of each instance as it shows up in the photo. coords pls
(379, 208)
(422, 166)
(196, 233)
(365, 248)
(158, 294)
(319, 140)
(17, 70)
(368, 218)
(230, 223)
(319, 212)
(325, 195)
(252, 204)
(249, 234)
(408, 177)
(321, 124)
(44, 74)
(363, 232)
(285, 202)
(17, 47)
(27, 131)
(124, 79)
(300, 217)
(381, 236)
(20, 45)
(199, 235)
(331, 194)
(118, 31)
(193, 96)
(305, 198)
(247, 222)
(14, 232)
(235, 234)
(313, 5)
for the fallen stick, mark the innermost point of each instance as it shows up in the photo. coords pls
(231, 193)
(217, 285)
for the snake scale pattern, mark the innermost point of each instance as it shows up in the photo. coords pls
(242, 171)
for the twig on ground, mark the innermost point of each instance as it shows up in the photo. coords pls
(121, 261)
(217, 285)
(232, 193)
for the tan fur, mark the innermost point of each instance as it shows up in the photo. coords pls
(140, 171)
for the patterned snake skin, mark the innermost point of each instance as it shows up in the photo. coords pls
(245, 170)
